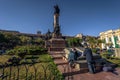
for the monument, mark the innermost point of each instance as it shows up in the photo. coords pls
(56, 32)
(56, 42)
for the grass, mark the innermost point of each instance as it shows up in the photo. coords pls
(4, 58)
(116, 61)
(45, 68)
(110, 58)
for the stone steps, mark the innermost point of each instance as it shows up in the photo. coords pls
(82, 74)
(63, 65)
(56, 53)
(68, 71)
(60, 62)
(54, 56)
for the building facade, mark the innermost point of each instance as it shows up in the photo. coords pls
(111, 38)
(79, 35)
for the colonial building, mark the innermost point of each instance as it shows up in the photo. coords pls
(111, 38)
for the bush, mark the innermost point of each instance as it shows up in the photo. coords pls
(94, 50)
(21, 51)
(14, 60)
(11, 52)
(105, 55)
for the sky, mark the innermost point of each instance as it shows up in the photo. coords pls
(89, 17)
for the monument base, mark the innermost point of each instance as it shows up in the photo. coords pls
(56, 44)
(57, 36)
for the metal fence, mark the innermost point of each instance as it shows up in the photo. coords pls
(33, 72)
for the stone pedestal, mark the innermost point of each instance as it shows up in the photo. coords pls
(57, 36)
(56, 44)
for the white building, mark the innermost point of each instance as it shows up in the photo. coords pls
(111, 38)
(79, 35)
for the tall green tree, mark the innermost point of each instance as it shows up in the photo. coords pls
(74, 42)
(92, 41)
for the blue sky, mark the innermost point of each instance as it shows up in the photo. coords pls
(89, 17)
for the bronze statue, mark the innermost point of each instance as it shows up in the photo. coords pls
(57, 10)
(56, 31)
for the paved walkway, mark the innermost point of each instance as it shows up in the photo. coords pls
(97, 76)
(73, 74)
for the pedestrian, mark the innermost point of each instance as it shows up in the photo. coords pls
(89, 57)
(71, 58)
(76, 55)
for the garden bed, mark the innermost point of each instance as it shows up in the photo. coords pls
(45, 69)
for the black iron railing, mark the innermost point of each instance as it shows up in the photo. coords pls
(29, 72)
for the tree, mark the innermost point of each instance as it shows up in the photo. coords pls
(11, 39)
(99, 42)
(25, 39)
(92, 41)
(2, 38)
(39, 41)
(109, 44)
(74, 42)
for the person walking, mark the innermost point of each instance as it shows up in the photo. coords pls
(89, 57)
(75, 54)
(71, 58)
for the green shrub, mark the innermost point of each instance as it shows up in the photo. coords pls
(94, 50)
(45, 58)
(115, 61)
(21, 51)
(105, 55)
(11, 52)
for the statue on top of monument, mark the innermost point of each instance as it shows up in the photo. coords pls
(56, 32)
(57, 10)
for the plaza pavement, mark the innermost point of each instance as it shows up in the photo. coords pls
(74, 74)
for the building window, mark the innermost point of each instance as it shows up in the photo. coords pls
(116, 38)
(110, 39)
